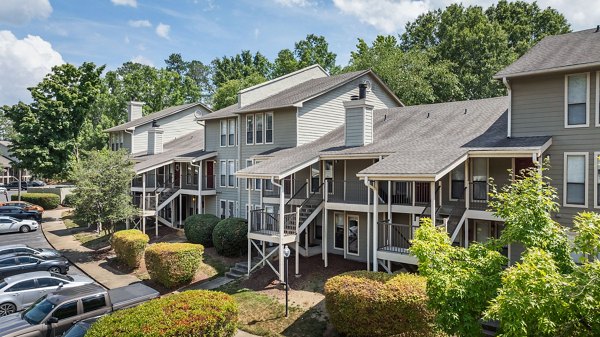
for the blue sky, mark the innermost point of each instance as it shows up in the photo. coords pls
(37, 34)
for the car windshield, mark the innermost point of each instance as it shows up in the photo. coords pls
(78, 330)
(36, 249)
(38, 311)
(2, 284)
(62, 277)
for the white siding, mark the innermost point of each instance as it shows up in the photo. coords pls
(354, 127)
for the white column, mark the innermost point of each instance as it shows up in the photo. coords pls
(200, 184)
(368, 228)
(467, 195)
(466, 233)
(249, 217)
(156, 214)
(281, 226)
(375, 225)
(298, 258)
(144, 202)
(180, 208)
(432, 197)
(389, 210)
(325, 225)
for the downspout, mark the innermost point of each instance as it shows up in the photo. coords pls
(509, 129)
(369, 186)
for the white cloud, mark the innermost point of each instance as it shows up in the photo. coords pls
(131, 3)
(139, 23)
(390, 16)
(23, 63)
(20, 12)
(295, 3)
(142, 60)
(163, 30)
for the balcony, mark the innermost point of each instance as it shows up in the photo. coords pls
(209, 182)
(292, 188)
(350, 192)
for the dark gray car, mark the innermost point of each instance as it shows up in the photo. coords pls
(25, 249)
(13, 264)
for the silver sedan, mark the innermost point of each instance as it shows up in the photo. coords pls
(9, 224)
(20, 291)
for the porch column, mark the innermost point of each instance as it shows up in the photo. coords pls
(324, 241)
(375, 224)
(180, 210)
(368, 228)
(199, 209)
(249, 217)
(432, 197)
(281, 227)
(144, 202)
(156, 215)
(467, 195)
(389, 194)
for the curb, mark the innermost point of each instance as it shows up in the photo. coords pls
(71, 262)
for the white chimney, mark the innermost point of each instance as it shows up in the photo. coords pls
(155, 139)
(134, 110)
(358, 130)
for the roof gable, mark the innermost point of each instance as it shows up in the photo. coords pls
(157, 116)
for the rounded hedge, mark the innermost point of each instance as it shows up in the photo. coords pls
(173, 264)
(68, 200)
(199, 228)
(129, 246)
(363, 303)
(190, 313)
(230, 237)
(45, 200)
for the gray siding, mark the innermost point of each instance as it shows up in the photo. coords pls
(362, 235)
(355, 127)
(538, 109)
(326, 112)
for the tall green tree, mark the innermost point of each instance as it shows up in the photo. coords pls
(194, 69)
(285, 63)
(46, 132)
(239, 66)
(412, 75)
(101, 197)
(227, 93)
(311, 50)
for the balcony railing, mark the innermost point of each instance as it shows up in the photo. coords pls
(402, 193)
(209, 182)
(268, 223)
(150, 202)
(395, 238)
(479, 197)
(291, 187)
(422, 193)
(351, 192)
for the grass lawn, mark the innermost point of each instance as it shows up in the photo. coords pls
(264, 315)
(83, 234)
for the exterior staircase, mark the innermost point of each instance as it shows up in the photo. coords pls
(240, 269)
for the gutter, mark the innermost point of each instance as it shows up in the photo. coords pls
(507, 85)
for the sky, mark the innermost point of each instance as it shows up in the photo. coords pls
(38, 34)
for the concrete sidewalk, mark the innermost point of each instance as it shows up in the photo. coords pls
(61, 239)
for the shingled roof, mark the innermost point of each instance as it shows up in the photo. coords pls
(416, 140)
(155, 116)
(558, 52)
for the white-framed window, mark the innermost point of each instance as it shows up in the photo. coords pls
(230, 208)
(258, 184)
(230, 174)
(457, 182)
(268, 185)
(249, 129)
(231, 137)
(248, 180)
(353, 241)
(223, 170)
(480, 179)
(596, 180)
(223, 209)
(259, 120)
(338, 231)
(223, 132)
(575, 179)
(577, 100)
(269, 128)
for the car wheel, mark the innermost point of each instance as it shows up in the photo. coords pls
(24, 229)
(7, 309)
(55, 270)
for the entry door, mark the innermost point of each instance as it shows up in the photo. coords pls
(210, 181)
(352, 234)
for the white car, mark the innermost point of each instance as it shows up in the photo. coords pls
(9, 224)
(20, 291)
(2, 190)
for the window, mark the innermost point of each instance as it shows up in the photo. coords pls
(26, 260)
(269, 128)
(223, 169)
(353, 234)
(232, 132)
(230, 173)
(575, 185)
(259, 129)
(479, 179)
(66, 310)
(7, 262)
(268, 185)
(231, 209)
(24, 285)
(250, 129)
(223, 132)
(45, 282)
(93, 303)
(223, 209)
(338, 238)
(457, 182)
(576, 100)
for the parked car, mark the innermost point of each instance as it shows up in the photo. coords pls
(3, 190)
(23, 205)
(19, 213)
(80, 328)
(13, 264)
(9, 225)
(36, 183)
(20, 291)
(53, 314)
(13, 185)
(25, 249)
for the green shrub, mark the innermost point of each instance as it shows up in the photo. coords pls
(68, 200)
(190, 313)
(230, 237)
(46, 200)
(129, 246)
(173, 264)
(199, 228)
(365, 303)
